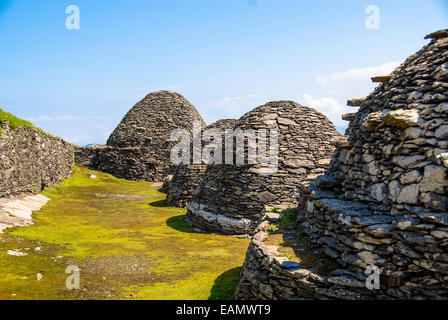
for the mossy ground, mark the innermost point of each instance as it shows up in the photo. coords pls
(127, 244)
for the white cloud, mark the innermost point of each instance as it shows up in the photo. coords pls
(79, 130)
(237, 106)
(49, 118)
(361, 73)
(328, 106)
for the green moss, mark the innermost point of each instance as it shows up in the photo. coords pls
(289, 218)
(295, 245)
(15, 122)
(127, 244)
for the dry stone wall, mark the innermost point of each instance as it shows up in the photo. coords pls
(231, 198)
(267, 274)
(180, 187)
(86, 155)
(383, 201)
(30, 160)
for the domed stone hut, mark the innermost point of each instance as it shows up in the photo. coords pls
(180, 187)
(232, 197)
(382, 204)
(140, 146)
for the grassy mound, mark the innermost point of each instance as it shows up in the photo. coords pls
(15, 122)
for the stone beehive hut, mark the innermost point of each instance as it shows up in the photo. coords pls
(180, 187)
(231, 198)
(383, 202)
(139, 148)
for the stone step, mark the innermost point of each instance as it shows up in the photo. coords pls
(356, 102)
(347, 208)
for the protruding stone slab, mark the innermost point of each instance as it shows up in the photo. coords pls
(356, 102)
(402, 118)
(438, 35)
(341, 143)
(381, 79)
(348, 116)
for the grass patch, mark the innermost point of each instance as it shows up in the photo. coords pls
(224, 287)
(127, 244)
(15, 122)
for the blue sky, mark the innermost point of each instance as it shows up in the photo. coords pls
(225, 56)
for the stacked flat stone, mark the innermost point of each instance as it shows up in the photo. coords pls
(31, 160)
(383, 201)
(231, 198)
(86, 155)
(180, 186)
(267, 274)
(140, 146)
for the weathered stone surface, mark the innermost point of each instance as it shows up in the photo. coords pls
(393, 165)
(381, 79)
(243, 191)
(434, 201)
(185, 179)
(441, 73)
(31, 160)
(409, 194)
(17, 210)
(411, 177)
(408, 161)
(267, 275)
(413, 132)
(442, 132)
(378, 191)
(140, 146)
(434, 179)
(437, 35)
(356, 102)
(442, 108)
(372, 121)
(402, 118)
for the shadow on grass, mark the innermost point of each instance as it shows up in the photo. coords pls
(158, 204)
(178, 223)
(225, 285)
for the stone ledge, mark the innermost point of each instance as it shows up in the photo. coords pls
(356, 102)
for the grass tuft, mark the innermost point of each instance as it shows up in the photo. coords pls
(15, 122)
